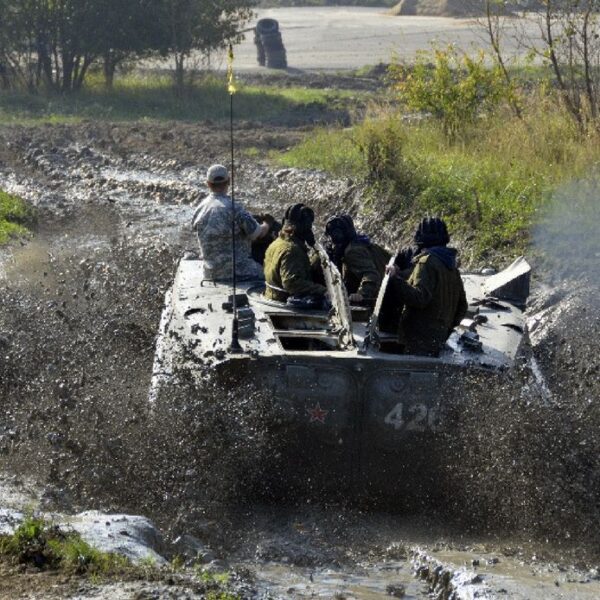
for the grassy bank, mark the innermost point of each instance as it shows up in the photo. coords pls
(15, 216)
(139, 97)
(490, 184)
(44, 546)
(37, 544)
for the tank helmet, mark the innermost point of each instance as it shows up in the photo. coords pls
(302, 218)
(431, 231)
(299, 214)
(340, 229)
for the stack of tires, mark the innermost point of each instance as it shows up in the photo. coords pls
(269, 45)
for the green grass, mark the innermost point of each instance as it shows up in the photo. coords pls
(139, 97)
(491, 185)
(38, 543)
(214, 583)
(15, 216)
(43, 545)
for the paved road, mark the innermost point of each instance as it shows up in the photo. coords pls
(336, 38)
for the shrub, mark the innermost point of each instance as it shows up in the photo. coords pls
(15, 215)
(455, 88)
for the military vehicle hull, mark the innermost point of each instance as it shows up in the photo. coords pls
(347, 405)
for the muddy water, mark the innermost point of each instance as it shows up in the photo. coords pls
(81, 303)
(368, 583)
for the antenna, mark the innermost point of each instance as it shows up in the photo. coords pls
(234, 347)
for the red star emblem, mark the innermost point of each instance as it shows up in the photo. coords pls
(317, 414)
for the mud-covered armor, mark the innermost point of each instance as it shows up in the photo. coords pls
(288, 270)
(212, 222)
(434, 301)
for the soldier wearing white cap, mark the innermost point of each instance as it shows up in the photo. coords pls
(212, 222)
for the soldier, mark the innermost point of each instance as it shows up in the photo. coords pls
(434, 297)
(212, 222)
(288, 269)
(361, 261)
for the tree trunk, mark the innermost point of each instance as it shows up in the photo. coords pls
(179, 73)
(494, 35)
(589, 84)
(109, 66)
(550, 43)
(45, 63)
(82, 72)
(67, 73)
(4, 77)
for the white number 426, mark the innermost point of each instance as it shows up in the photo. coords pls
(418, 418)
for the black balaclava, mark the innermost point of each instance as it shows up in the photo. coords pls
(340, 231)
(431, 232)
(302, 217)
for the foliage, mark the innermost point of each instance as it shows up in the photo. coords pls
(214, 583)
(15, 215)
(45, 42)
(197, 25)
(455, 88)
(43, 545)
(568, 44)
(48, 42)
(131, 30)
(491, 187)
(380, 143)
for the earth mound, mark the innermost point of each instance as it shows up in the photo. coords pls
(439, 8)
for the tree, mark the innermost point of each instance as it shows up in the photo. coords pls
(65, 31)
(571, 32)
(202, 26)
(19, 64)
(495, 10)
(128, 30)
(57, 41)
(569, 45)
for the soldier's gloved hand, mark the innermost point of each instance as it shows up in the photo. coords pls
(263, 230)
(392, 271)
(267, 218)
(404, 259)
(329, 250)
(356, 298)
(273, 226)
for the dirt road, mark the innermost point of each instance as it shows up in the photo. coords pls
(337, 38)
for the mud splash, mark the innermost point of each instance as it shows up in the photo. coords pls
(81, 304)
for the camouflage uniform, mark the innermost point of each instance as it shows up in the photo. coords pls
(434, 299)
(212, 222)
(363, 268)
(288, 270)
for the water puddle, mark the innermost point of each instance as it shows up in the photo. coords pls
(386, 579)
(512, 577)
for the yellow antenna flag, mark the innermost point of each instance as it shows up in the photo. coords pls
(230, 79)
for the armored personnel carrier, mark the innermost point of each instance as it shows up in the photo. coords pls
(352, 405)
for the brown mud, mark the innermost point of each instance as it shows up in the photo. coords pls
(80, 307)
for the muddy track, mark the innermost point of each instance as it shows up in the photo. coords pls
(83, 299)
(81, 303)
